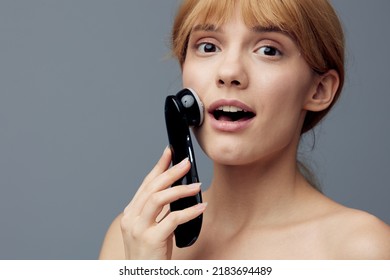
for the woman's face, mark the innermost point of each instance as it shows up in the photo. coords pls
(254, 85)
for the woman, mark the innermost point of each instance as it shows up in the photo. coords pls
(282, 62)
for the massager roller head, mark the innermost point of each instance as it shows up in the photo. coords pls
(191, 106)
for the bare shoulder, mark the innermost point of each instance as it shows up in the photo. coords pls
(360, 235)
(112, 247)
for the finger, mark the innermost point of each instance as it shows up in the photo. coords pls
(157, 201)
(161, 182)
(175, 218)
(162, 165)
(164, 212)
(167, 178)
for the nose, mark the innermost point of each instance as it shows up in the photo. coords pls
(232, 72)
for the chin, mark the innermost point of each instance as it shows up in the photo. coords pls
(229, 154)
(240, 153)
(225, 149)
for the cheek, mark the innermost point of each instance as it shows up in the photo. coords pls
(281, 103)
(191, 75)
(186, 78)
(287, 90)
(198, 76)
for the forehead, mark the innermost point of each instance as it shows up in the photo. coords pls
(256, 14)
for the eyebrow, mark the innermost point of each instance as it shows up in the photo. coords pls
(256, 29)
(270, 28)
(205, 27)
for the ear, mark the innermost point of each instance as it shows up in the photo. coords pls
(324, 91)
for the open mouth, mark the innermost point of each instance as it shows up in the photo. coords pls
(232, 114)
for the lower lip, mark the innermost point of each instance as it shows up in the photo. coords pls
(229, 126)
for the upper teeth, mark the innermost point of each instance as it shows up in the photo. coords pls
(227, 108)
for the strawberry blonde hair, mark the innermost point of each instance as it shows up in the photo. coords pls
(313, 24)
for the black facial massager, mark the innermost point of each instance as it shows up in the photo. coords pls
(182, 111)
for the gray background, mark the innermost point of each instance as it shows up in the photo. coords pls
(81, 117)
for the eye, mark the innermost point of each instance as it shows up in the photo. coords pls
(269, 51)
(207, 48)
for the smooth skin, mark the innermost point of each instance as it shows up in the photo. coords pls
(258, 204)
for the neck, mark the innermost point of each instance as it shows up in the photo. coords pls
(255, 194)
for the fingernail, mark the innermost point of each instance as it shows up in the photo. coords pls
(165, 151)
(194, 185)
(201, 206)
(167, 148)
(183, 163)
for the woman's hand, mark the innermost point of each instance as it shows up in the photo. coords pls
(145, 234)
